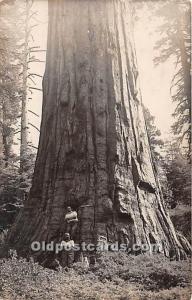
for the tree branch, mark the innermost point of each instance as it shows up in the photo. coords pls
(34, 74)
(38, 50)
(33, 113)
(34, 127)
(33, 147)
(33, 88)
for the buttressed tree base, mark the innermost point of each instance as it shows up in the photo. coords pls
(94, 154)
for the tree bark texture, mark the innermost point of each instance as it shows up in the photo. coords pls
(94, 153)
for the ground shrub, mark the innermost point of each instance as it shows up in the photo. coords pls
(154, 272)
(114, 277)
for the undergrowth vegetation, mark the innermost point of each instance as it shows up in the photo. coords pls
(114, 276)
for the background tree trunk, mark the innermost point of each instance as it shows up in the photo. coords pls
(94, 151)
(24, 121)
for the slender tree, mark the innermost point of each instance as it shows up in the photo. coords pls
(154, 134)
(27, 84)
(9, 81)
(94, 152)
(14, 182)
(28, 79)
(175, 42)
(24, 122)
(178, 174)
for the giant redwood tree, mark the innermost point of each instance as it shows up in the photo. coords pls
(94, 153)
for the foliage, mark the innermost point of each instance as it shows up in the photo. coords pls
(175, 44)
(173, 173)
(154, 134)
(3, 2)
(181, 218)
(9, 79)
(15, 182)
(14, 188)
(15, 56)
(153, 272)
(117, 276)
(178, 174)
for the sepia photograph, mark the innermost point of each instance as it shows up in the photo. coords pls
(95, 150)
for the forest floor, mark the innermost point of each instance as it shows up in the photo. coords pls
(115, 276)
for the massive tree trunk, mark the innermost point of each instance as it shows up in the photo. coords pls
(94, 151)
